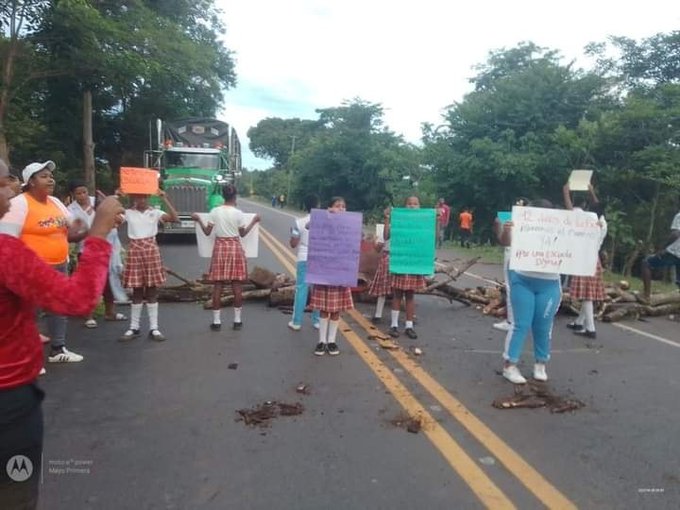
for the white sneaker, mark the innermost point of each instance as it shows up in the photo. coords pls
(42, 371)
(64, 356)
(512, 374)
(294, 326)
(316, 325)
(90, 323)
(503, 326)
(539, 372)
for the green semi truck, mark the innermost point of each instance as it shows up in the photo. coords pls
(196, 157)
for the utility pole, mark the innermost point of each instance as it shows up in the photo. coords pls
(290, 168)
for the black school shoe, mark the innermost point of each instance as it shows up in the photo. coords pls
(320, 349)
(586, 333)
(394, 332)
(215, 327)
(411, 333)
(237, 325)
(333, 349)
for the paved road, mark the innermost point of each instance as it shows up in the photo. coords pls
(153, 426)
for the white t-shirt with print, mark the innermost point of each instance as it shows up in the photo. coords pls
(227, 219)
(143, 224)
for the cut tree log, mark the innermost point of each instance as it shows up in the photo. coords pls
(262, 278)
(282, 296)
(452, 273)
(249, 295)
(657, 311)
(664, 299)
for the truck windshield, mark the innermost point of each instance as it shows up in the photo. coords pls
(192, 160)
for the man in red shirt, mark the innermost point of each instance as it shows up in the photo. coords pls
(26, 282)
(443, 218)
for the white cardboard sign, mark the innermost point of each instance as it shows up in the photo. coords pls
(250, 242)
(380, 232)
(579, 180)
(554, 241)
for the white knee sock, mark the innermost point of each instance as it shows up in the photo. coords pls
(152, 310)
(589, 315)
(217, 316)
(237, 314)
(395, 319)
(332, 331)
(323, 330)
(379, 305)
(135, 314)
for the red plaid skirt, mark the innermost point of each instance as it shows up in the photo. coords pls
(331, 298)
(228, 261)
(143, 264)
(381, 284)
(408, 281)
(588, 288)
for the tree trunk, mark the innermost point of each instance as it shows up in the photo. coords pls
(88, 143)
(652, 214)
(7, 74)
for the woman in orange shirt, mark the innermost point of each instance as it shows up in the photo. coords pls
(45, 226)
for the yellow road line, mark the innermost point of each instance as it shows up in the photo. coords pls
(483, 487)
(524, 472)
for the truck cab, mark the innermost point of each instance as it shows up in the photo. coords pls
(196, 159)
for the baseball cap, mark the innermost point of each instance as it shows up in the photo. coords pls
(34, 168)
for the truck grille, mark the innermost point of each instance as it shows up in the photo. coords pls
(188, 199)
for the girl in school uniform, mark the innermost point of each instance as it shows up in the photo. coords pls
(381, 285)
(587, 289)
(330, 300)
(405, 286)
(228, 263)
(143, 271)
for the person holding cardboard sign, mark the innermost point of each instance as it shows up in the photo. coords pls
(535, 298)
(404, 286)
(228, 263)
(144, 270)
(330, 300)
(587, 289)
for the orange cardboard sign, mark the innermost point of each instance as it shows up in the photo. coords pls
(138, 181)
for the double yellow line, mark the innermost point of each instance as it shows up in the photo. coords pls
(480, 483)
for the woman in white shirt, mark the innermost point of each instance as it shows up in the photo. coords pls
(228, 263)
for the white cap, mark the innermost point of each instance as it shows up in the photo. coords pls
(34, 168)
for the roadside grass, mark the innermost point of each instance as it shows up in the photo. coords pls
(489, 254)
(658, 286)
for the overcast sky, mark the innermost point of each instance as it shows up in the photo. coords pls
(415, 58)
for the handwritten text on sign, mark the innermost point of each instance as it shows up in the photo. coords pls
(334, 246)
(138, 181)
(554, 241)
(412, 233)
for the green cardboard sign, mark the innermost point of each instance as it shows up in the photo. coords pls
(412, 241)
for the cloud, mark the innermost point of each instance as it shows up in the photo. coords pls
(414, 58)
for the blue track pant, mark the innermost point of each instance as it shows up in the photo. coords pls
(534, 304)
